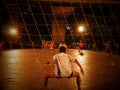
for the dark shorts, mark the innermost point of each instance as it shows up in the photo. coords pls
(66, 77)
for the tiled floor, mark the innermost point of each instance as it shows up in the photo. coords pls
(22, 70)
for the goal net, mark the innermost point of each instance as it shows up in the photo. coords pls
(44, 24)
(40, 21)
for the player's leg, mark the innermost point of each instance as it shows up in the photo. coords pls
(46, 76)
(78, 80)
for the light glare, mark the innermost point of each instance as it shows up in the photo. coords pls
(13, 31)
(81, 28)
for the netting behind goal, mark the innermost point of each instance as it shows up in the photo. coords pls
(28, 29)
(38, 21)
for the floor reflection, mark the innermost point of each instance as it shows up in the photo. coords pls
(22, 69)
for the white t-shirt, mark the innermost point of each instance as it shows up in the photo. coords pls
(64, 62)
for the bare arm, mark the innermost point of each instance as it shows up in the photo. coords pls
(81, 69)
(49, 61)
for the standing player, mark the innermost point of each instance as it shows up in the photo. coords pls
(51, 45)
(108, 50)
(81, 46)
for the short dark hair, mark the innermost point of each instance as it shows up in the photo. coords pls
(62, 49)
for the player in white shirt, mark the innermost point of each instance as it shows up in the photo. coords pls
(63, 67)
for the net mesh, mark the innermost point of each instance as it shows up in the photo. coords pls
(35, 24)
(37, 21)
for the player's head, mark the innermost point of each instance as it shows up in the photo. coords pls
(62, 49)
